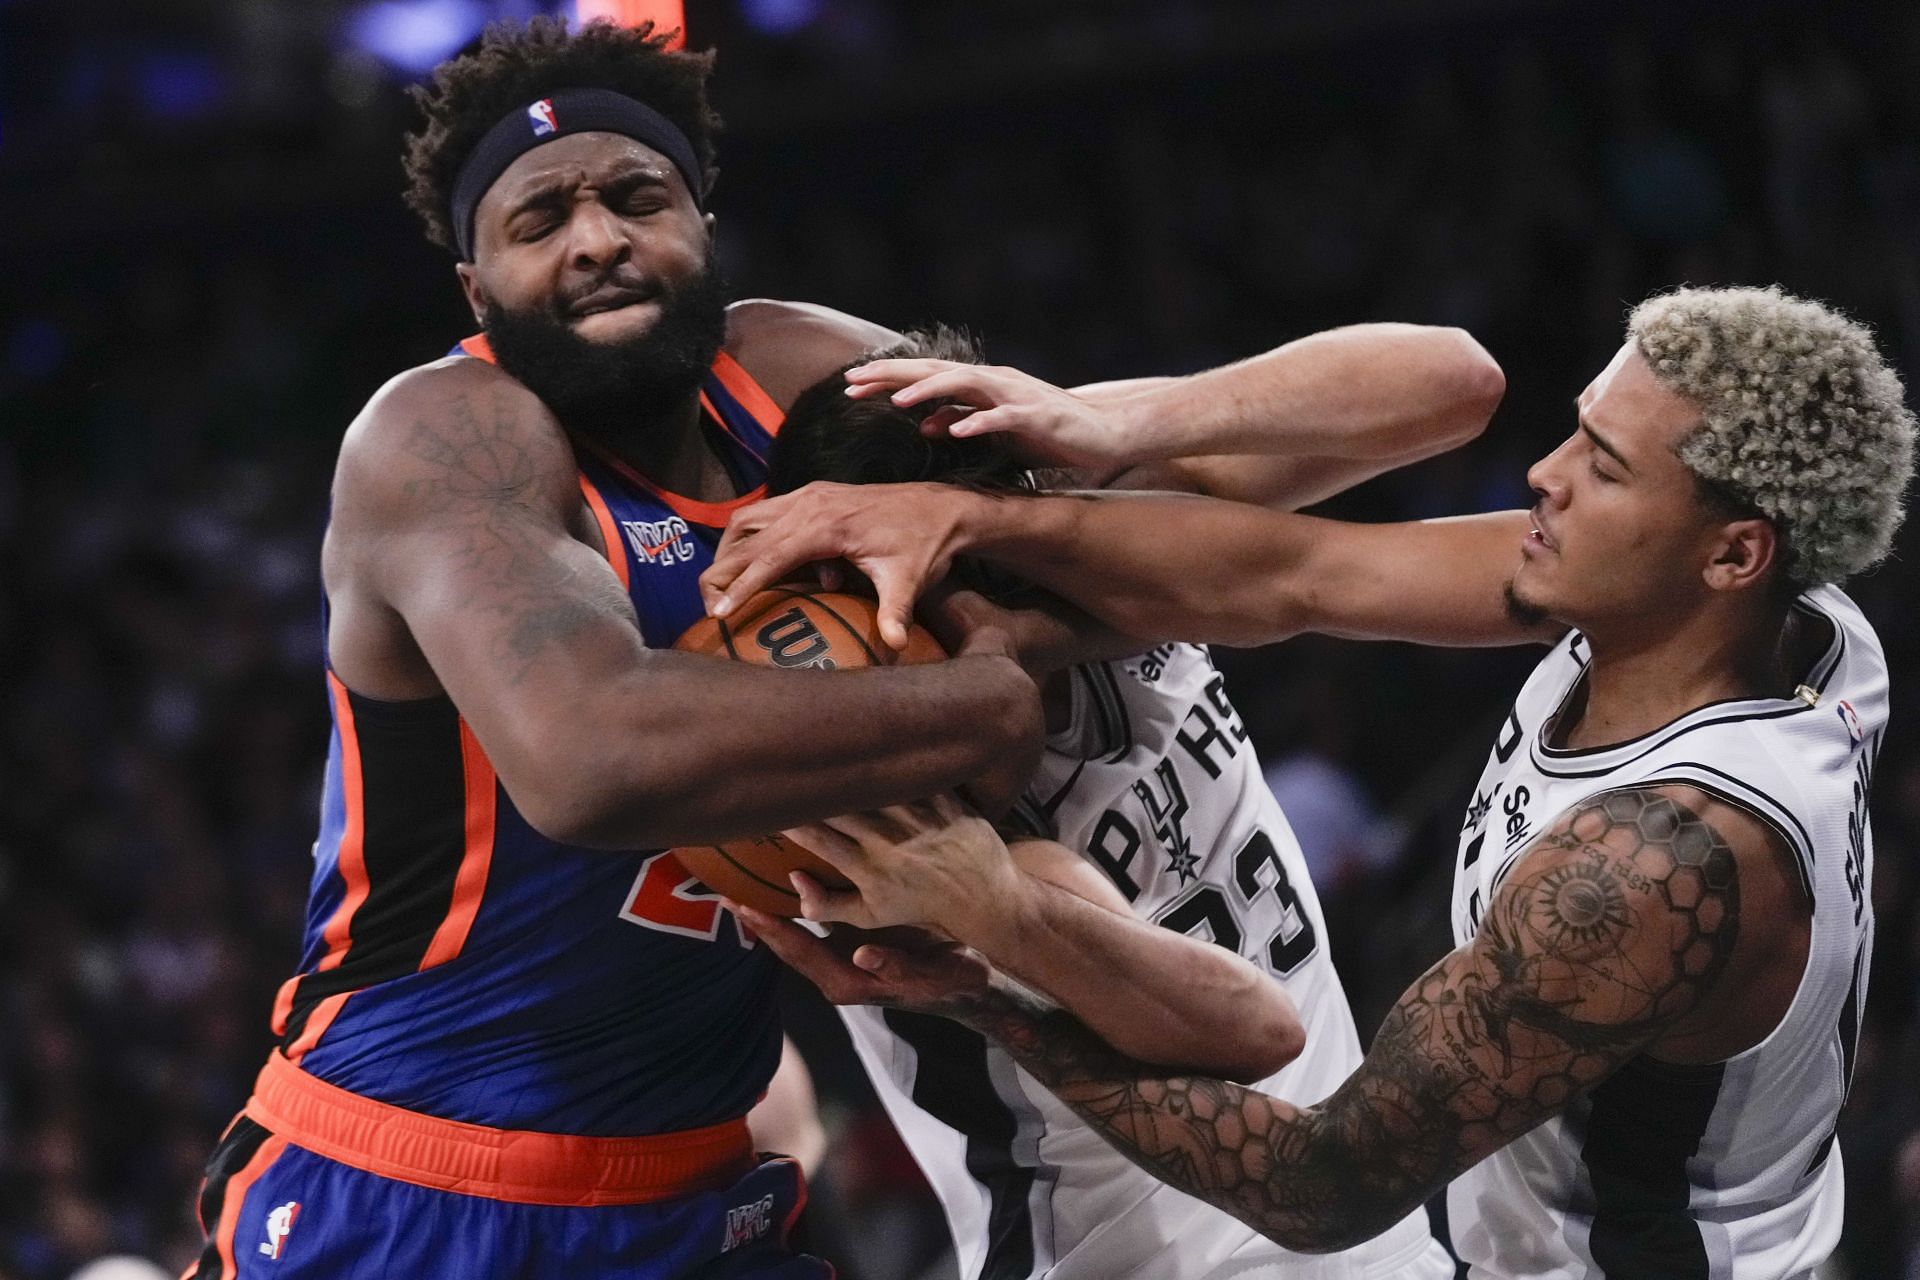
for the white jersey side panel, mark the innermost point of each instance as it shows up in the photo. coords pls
(1154, 782)
(1721, 1172)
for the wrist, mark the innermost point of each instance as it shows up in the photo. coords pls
(996, 920)
(1140, 430)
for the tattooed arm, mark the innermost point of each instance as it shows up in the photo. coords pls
(1616, 934)
(459, 559)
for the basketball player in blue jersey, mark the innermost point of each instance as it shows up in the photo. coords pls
(520, 1040)
(1633, 1063)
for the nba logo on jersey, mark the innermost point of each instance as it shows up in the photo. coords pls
(1851, 720)
(279, 1226)
(540, 115)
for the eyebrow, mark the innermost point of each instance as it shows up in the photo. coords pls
(1601, 443)
(554, 192)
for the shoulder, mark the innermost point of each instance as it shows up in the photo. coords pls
(1660, 866)
(455, 430)
(789, 346)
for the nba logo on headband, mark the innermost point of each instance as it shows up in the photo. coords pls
(540, 115)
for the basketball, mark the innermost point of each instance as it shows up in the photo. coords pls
(789, 627)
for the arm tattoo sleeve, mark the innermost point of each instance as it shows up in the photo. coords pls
(481, 485)
(1618, 922)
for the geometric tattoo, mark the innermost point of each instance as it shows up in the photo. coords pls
(1617, 923)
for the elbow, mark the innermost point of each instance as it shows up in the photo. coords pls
(1475, 384)
(1273, 1037)
(610, 800)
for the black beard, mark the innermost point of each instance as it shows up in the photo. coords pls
(614, 390)
(1524, 612)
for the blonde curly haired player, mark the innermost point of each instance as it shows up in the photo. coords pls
(1800, 418)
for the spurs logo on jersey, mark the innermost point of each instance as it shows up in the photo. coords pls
(1155, 782)
(1726, 1171)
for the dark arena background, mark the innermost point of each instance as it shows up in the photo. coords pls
(207, 269)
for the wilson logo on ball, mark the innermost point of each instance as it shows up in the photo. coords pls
(791, 640)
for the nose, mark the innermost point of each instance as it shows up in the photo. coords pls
(598, 239)
(1547, 477)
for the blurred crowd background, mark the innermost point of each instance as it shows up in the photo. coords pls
(208, 270)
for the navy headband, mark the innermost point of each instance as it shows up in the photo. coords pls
(565, 112)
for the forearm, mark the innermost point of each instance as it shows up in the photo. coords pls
(1297, 1175)
(1171, 568)
(1365, 391)
(694, 750)
(1155, 567)
(1186, 1003)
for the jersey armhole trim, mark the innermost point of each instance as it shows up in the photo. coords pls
(1750, 799)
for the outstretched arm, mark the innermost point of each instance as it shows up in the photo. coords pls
(1154, 567)
(1284, 428)
(1610, 934)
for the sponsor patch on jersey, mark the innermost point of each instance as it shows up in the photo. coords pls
(540, 116)
(279, 1226)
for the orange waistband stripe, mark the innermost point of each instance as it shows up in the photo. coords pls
(499, 1164)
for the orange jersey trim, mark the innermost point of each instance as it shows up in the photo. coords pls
(516, 1165)
(235, 1195)
(609, 531)
(712, 514)
(470, 881)
(739, 384)
(351, 861)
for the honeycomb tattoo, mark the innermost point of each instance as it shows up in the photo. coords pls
(1618, 922)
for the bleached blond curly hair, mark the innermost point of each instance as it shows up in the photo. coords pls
(1802, 420)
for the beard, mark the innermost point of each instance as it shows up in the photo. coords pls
(610, 390)
(1523, 611)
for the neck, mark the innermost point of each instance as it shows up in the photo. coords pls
(672, 450)
(1639, 680)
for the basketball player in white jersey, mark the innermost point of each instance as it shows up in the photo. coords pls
(1149, 802)
(1634, 1060)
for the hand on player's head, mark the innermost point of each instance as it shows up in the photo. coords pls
(910, 968)
(1050, 425)
(895, 534)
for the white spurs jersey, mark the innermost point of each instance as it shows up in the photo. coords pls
(1727, 1171)
(1155, 783)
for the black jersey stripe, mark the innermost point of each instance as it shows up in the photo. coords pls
(1644, 1124)
(413, 801)
(1108, 686)
(955, 1087)
(237, 1148)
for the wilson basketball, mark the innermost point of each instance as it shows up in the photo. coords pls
(789, 627)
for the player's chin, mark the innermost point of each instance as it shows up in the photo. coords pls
(1527, 602)
(618, 325)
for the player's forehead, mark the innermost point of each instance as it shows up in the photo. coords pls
(579, 159)
(1632, 408)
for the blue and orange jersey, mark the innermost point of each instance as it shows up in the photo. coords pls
(460, 964)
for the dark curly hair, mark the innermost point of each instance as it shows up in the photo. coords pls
(828, 435)
(515, 65)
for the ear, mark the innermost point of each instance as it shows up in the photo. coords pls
(470, 285)
(1743, 552)
(709, 221)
